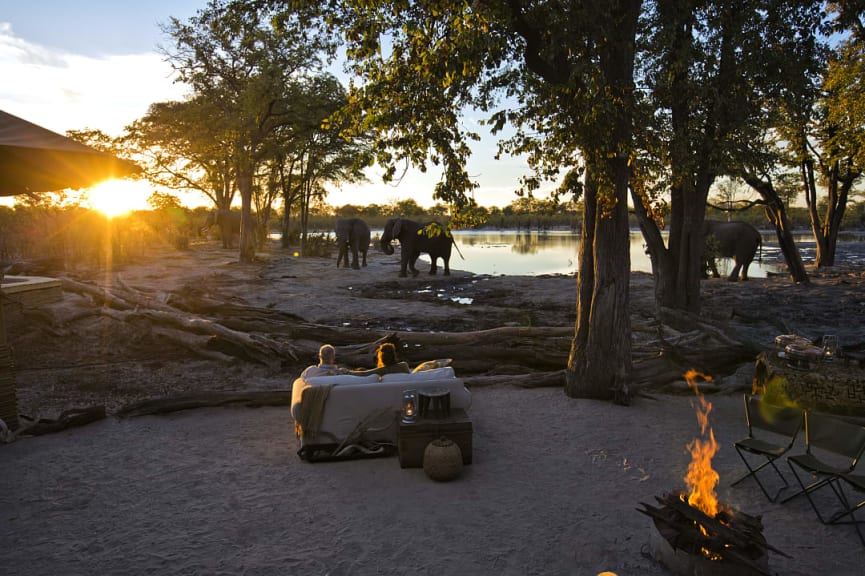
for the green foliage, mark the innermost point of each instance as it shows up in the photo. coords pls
(319, 245)
(163, 201)
(434, 230)
(250, 65)
(74, 236)
(186, 146)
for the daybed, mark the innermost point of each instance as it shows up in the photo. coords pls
(333, 411)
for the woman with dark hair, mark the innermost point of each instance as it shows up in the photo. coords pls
(386, 362)
(385, 355)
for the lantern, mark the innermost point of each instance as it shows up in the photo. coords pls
(830, 346)
(409, 406)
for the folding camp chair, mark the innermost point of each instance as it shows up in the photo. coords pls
(778, 427)
(832, 448)
(857, 483)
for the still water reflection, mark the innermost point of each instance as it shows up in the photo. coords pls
(514, 253)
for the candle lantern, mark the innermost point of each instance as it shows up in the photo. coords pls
(830, 346)
(409, 405)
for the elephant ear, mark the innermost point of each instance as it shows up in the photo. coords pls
(397, 224)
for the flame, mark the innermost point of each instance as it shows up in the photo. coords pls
(702, 478)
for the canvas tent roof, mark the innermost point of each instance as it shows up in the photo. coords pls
(34, 159)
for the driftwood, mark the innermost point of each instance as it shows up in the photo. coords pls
(250, 399)
(227, 331)
(533, 380)
(130, 306)
(67, 419)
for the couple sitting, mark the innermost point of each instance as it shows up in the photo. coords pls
(386, 363)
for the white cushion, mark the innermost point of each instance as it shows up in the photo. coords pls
(432, 364)
(425, 376)
(342, 379)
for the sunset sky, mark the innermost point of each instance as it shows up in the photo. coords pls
(93, 64)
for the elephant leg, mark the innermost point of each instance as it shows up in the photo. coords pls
(433, 267)
(354, 263)
(404, 263)
(407, 262)
(447, 271)
(363, 253)
(712, 265)
(734, 274)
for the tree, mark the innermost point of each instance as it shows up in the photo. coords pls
(185, 146)
(709, 69)
(315, 151)
(241, 61)
(839, 152)
(567, 71)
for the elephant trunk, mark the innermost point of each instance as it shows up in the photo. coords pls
(386, 247)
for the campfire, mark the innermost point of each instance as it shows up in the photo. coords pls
(693, 533)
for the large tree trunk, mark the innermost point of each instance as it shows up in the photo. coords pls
(777, 214)
(247, 223)
(677, 266)
(839, 181)
(599, 364)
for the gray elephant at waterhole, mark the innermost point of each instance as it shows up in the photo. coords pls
(415, 238)
(737, 240)
(352, 234)
(228, 222)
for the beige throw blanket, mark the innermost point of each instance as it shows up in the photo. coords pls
(312, 403)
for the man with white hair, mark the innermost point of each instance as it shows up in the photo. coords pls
(326, 364)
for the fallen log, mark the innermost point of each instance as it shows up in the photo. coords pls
(536, 380)
(67, 419)
(275, 339)
(112, 298)
(540, 348)
(195, 343)
(211, 399)
(255, 347)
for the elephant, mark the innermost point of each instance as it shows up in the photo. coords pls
(415, 238)
(351, 234)
(228, 222)
(737, 240)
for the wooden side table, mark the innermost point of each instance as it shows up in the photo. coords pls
(414, 437)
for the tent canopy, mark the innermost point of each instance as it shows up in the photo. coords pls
(33, 159)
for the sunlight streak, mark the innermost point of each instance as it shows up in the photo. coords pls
(116, 197)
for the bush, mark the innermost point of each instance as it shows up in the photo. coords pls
(319, 245)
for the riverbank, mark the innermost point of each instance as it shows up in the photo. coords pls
(70, 354)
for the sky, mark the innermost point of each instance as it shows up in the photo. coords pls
(71, 65)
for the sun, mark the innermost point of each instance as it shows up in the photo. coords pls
(116, 197)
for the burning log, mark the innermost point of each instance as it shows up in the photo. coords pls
(688, 541)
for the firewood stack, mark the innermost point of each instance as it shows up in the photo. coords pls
(730, 543)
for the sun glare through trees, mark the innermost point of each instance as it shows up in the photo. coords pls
(117, 197)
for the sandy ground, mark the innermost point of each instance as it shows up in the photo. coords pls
(553, 489)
